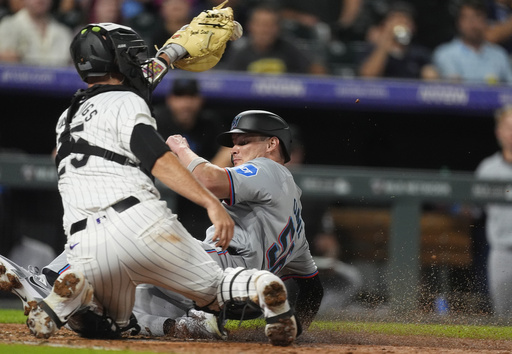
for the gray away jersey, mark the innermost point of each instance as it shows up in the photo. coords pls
(266, 208)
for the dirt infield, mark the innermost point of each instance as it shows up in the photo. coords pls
(254, 341)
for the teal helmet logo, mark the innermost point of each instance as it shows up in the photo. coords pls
(235, 121)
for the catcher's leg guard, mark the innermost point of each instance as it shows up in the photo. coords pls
(260, 288)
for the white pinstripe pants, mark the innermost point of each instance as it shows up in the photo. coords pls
(144, 244)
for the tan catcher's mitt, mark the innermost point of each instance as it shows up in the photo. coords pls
(205, 38)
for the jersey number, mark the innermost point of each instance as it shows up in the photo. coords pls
(278, 253)
(80, 163)
(88, 112)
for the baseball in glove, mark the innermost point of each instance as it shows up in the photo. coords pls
(205, 38)
(197, 46)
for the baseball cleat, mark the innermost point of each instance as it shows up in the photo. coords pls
(71, 293)
(198, 325)
(281, 328)
(28, 286)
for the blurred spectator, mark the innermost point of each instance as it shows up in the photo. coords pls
(309, 23)
(470, 57)
(240, 8)
(347, 39)
(10, 7)
(32, 36)
(498, 227)
(435, 21)
(70, 13)
(142, 16)
(392, 52)
(314, 19)
(500, 26)
(183, 113)
(104, 11)
(142, 20)
(173, 15)
(265, 50)
(133, 8)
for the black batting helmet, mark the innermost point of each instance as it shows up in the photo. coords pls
(260, 122)
(102, 48)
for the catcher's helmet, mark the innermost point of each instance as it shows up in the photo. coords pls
(260, 122)
(102, 48)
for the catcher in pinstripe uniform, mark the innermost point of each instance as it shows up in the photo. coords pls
(279, 256)
(119, 233)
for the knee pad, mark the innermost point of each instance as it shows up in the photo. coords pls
(259, 289)
(237, 294)
(237, 286)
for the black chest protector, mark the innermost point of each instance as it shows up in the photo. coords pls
(68, 145)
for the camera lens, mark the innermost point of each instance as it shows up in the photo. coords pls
(402, 34)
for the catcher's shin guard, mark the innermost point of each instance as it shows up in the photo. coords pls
(260, 288)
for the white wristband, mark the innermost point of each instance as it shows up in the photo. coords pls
(195, 162)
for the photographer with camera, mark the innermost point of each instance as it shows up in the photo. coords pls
(391, 51)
